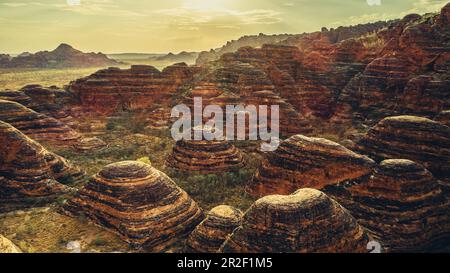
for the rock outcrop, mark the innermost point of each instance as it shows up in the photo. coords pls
(304, 162)
(444, 117)
(138, 88)
(29, 174)
(409, 74)
(91, 143)
(402, 205)
(6, 246)
(304, 222)
(37, 126)
(210, 234)
(418, 139)
(143, 205)
(204, 156)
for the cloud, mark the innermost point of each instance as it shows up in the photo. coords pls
(220, 18)
(420, 7)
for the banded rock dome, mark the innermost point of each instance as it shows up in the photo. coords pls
(143, 205)
(29, 174)
(304, 222)
(306, 162)
(402, 205)
(210, 234)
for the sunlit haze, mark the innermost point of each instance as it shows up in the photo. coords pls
(114, 26)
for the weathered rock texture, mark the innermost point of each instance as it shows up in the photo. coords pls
(205, 156)
(143, 205)
(303, 162)
(304, 222)
(29, 174)
(419, 139)
(402, 205)
(210, 234)
(444, 117)
(6, 246)
(408, 76)
(37, 126)
(139, 88)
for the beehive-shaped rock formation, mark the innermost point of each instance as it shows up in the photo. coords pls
(306, 221)
(143, 205)
(402, 205)
(37, 126)
(29, 174)
(210, 234)
(304, 162)
(419, 139)
(205, 156)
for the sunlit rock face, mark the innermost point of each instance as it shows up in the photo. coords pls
(306, 221)
(38, 126)
(143, 205)
(30, 175)
(402, 205)
(304, 162)
(6, 246)
(138, 88)
(212, 232)
(418, 139)
(409, 75)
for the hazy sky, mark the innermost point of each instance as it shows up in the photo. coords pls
(114, 26)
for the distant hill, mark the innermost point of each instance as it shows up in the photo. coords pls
(64, 56)
(182, 57)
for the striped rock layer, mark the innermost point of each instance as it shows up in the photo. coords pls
(418, 139)
(37, 126)
(304, 162)
(402, 205)
(304, 222)
(29, 174)
(210, 234)
(205, 156)
(141, 204)
(138, 88)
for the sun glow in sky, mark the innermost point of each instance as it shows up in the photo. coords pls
(113, 26)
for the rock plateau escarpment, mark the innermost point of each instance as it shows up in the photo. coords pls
(38, 126)
(304, 162)
(6, 246)
(143, 205)
(419, 139)
(138, 88)
(29, 174)
(210, 234)
(306, 221)
(401, 204)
